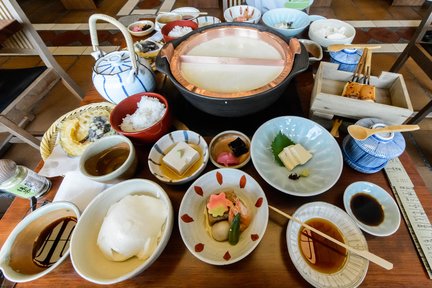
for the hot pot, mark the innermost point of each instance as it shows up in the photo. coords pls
(237, 84)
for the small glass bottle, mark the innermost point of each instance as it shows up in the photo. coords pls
(21, 181)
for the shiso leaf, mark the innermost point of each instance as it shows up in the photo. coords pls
(279, 143)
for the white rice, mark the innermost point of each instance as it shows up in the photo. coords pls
(150, 110)
(179, 31)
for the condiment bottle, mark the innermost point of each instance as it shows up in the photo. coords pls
(21, 181)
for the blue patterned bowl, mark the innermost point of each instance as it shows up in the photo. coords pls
(372, 154)
(346, 58)
(300, 20)
(163, 146)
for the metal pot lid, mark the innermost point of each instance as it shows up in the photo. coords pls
(113, 63)
(232, 61)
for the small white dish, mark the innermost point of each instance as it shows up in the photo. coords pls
(26, 233)
(164, 18)
(207, 20)
(187, 13)
(141, 24)
(230, 135)
(162, 147)
(353, 271)
(391, 215)
(324, 168)
(191, 217)
(87, 258)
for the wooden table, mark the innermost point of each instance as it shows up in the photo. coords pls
(269, 265)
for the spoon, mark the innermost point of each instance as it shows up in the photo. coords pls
(363, 253)
(360, 133)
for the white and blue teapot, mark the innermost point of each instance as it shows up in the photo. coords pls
(119, 74)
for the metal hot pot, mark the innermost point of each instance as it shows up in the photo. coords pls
(232, 69)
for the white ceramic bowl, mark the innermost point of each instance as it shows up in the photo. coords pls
(164, 18)
(122, 172)
(187, 13)
(207, 20)
(87, 258)
(141, 32)
(232, 134)
(353, 271)
(26, 232)
(191, 216)
(162, 147)
(231, 13)
(327, 32)
(392, 217)
(300, 20)
(326, 164)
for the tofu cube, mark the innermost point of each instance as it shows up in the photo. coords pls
(181, 157)
(294, 155)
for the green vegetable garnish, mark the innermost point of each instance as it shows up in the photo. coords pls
(279, 143)
(234, 231)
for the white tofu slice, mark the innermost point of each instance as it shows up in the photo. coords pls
(294, 155)
(181, 157)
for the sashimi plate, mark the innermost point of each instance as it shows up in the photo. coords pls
(324, 168)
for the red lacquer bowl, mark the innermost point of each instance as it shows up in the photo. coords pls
(128, 106)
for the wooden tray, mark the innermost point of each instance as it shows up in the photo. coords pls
(392, 104)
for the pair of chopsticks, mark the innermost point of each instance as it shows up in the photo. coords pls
(363, 253)
(363, 68)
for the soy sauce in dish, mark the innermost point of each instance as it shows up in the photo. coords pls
(318, 252)
(108, 160)
(367, 209)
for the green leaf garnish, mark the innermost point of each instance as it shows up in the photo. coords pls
(279, 143)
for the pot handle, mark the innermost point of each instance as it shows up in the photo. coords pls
(164, 57)
(95, 41)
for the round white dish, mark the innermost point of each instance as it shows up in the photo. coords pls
(160, 148)
(355, 268)
(231, 13)
(187, 13)
(141, 23)
(392, 216)
(88, 260)
(326, 164)
(234, 133)
(31, 227)
(191, 216)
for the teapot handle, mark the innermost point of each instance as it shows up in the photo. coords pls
(95, 41)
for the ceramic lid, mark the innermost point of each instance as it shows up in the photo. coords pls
(347, 56)
(382, 145)
(7, 169)
(113, 63)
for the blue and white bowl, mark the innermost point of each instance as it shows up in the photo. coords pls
(372, 154)
(163, 145)
(300, 20)
(233, 12)
(206, 20)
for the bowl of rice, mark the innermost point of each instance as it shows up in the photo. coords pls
(177, 29)
(143, 117)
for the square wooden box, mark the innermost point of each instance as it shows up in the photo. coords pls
(392, 103)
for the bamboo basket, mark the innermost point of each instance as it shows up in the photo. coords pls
(49, 138)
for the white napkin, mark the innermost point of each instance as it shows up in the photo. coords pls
(78, 189)
(59, 163)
